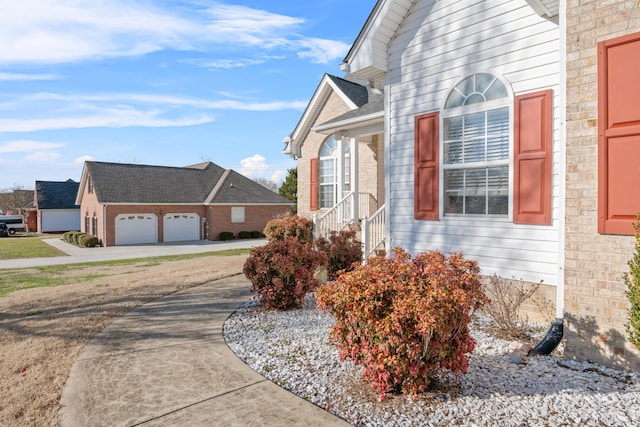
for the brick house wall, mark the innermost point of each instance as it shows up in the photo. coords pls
(256, 218)
(595, 301)
(90, 207)
(371, 169)
(334, 107)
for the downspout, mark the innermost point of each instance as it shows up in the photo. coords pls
(104, 225)
(554, 335)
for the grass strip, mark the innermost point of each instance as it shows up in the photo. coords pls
(56, 275)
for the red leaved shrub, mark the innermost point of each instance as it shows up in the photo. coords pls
(343, 250)
(405, 320)
(289, 226)
(282, 272)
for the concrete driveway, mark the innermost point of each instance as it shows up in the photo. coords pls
(77, 255)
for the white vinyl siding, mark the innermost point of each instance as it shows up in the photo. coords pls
(438, 44)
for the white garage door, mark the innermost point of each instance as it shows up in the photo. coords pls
(180, 227)
(132, 229)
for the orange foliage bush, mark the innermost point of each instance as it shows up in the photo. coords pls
(289, 226)
(405, 320)
(282, 272)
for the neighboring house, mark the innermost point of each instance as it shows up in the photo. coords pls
(510, 134)
(124, 204)
(56, 208)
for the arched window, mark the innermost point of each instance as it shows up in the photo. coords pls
(476, 133)
(328, 171)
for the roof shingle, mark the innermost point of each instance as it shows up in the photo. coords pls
(136, 184)
(57, 194)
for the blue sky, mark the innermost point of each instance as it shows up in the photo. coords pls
(161, 82)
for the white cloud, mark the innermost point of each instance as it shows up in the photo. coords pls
(27, 77)
(240, 24)
(27, 146)
(80, 160)
(253, 166)
(278, 176)
(108, 119)
(322, 51)
(120, 110)
(231, 63)
(45, 156)
(30, 31)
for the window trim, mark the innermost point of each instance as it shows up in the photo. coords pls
(341, 170)
(238, 212)
(445, 113)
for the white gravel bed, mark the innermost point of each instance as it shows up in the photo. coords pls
(292, 349)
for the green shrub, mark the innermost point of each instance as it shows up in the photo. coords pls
(66, 236)
(256, 234)
(226, 235)
(344, 252)
(244, 235)
(282, 272)
(289, 226)
(71, 236)
(77, 237)
(89, 241)
(632, 280)
(405, 320)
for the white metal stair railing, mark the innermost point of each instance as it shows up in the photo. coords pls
(373, 233)
(335, 219)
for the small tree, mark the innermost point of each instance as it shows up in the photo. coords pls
(17, 199)
(632, 280)
(289, 188)
(267, 183)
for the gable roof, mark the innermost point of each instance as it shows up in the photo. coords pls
(353, 90)
(368, 54)
(121, 183)
(357, 93)
(57, 194)
(372, 111)
(234, 188)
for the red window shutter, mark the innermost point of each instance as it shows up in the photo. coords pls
(426, 200)
(533, 145)
(618, 134)
(314, 185)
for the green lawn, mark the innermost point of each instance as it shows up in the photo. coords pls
(27, 247)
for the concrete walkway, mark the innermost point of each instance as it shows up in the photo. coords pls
(166, 364)
(77, 255)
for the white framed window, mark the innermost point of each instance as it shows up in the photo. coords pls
(476, 147)
(237, 214)
(328, 172)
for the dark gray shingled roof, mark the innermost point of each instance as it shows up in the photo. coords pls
(57, 194)
(236, 188)
(129, 183)
(357, 93)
